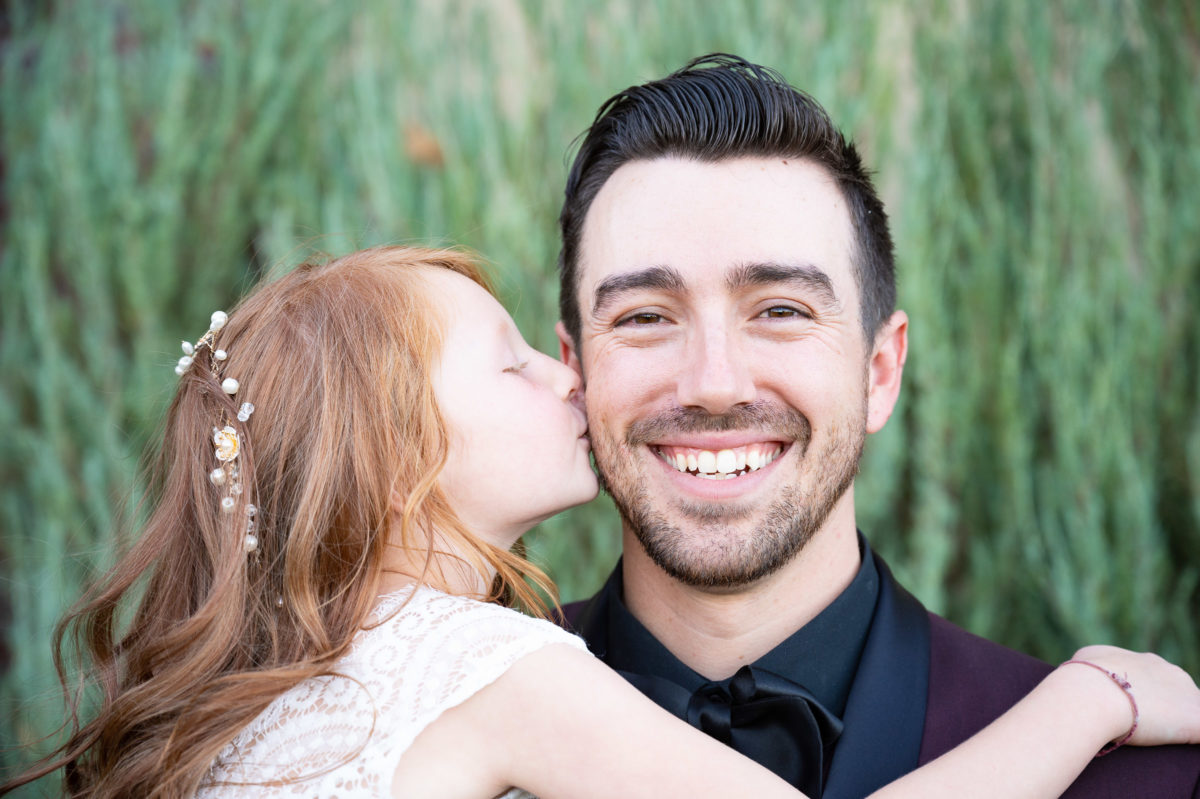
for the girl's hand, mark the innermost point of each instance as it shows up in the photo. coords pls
(1167, 698)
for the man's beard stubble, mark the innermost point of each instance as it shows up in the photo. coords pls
(709, 553)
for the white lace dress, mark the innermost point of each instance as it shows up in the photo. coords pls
(399, 676)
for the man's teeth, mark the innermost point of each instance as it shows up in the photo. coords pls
(721, 464)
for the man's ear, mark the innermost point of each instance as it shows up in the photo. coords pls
(566, 349)
(886, 370)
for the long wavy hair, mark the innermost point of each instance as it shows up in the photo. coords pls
(336, 359)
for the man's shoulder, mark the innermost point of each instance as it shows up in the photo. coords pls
(588, 618)
(569, 614)
(973, 680)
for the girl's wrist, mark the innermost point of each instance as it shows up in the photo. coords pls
(1122, 715)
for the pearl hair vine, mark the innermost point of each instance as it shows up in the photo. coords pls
(226, 441)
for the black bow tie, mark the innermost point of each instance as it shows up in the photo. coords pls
(768, 718)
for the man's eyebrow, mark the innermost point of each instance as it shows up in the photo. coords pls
(661, 278)
(805, 276)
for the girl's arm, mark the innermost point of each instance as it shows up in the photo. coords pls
(561, 724)
(1041, 744)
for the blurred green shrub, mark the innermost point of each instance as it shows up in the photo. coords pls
(1040, 483)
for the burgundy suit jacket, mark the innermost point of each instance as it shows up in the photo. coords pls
(973, 680)
(924, 685)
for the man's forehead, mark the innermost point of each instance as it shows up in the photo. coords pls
(705, 221)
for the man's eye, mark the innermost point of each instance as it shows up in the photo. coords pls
(782, 312)
(644, 318)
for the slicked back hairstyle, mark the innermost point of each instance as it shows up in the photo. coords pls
(719, 107)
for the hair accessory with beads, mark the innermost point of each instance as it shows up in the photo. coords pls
(218, 320)
(227, 443)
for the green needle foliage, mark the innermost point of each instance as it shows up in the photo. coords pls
(1040, 481)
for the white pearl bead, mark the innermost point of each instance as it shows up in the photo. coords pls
(179, 370)
(229, 386)
(188, 349)
(220, 355)
(251, 543)
(219, 318)
(217, 476)
(185, 362)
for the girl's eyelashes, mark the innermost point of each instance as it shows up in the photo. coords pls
(516, 368)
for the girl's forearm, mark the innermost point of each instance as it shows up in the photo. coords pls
(1036, 749)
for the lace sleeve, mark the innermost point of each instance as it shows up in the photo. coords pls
(344, 735)
(457, 648)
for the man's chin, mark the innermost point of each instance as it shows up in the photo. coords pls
(719, 514)
(712, 553)
(718, 569)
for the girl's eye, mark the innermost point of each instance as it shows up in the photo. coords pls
(516, 368)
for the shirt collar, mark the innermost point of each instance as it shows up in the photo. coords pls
(822, 655)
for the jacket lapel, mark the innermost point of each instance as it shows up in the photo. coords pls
(885, 713)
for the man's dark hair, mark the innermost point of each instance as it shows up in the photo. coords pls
(718, 107)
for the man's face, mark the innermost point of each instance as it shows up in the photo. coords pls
(727, 376)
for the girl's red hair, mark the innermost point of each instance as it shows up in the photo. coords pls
(336, 358)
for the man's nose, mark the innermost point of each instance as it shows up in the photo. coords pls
(715, 375)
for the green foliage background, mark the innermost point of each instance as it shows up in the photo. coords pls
(1040, 482)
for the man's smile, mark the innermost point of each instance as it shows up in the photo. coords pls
(720, 464)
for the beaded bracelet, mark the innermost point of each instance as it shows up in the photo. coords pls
(1124, 685)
